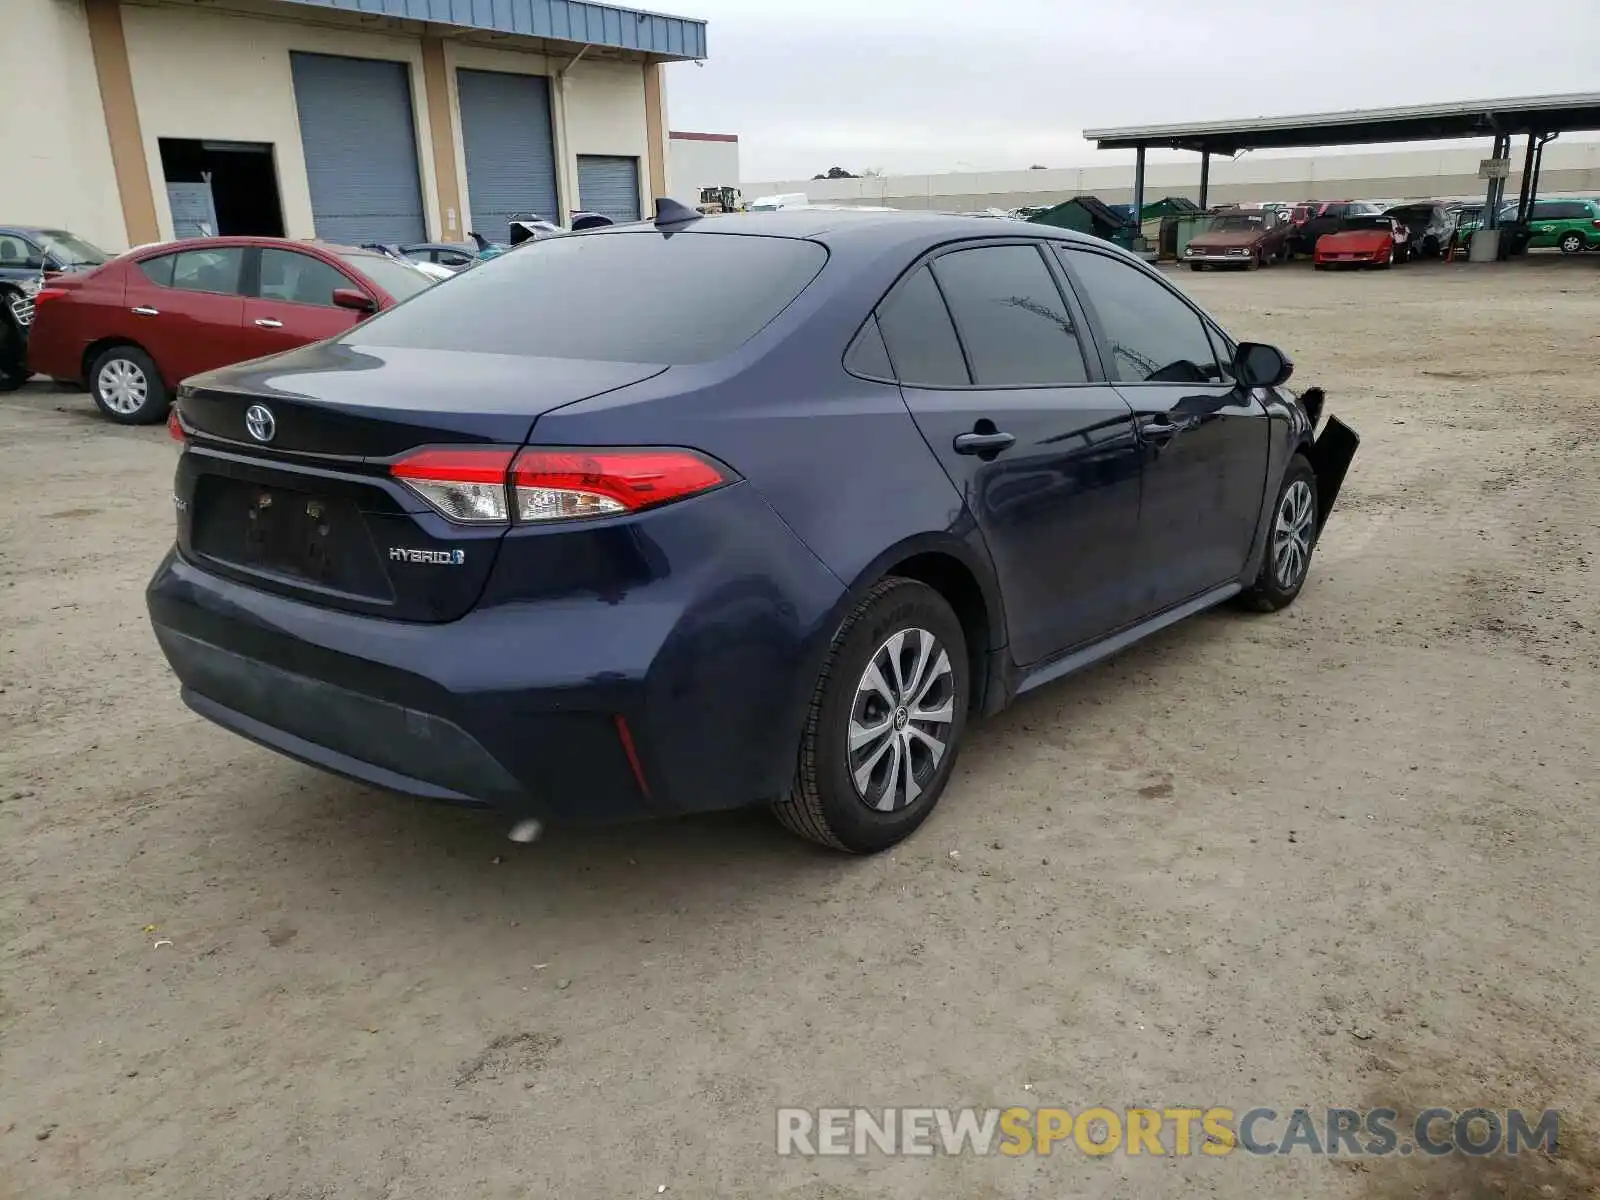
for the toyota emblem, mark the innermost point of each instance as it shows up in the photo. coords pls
(259, 422)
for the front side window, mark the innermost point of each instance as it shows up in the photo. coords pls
(1152, 335)
(1011, 317)
(213, 270)
(921, 340)
(297, 278)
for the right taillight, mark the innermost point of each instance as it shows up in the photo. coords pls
(494, 485)
(559, 485)
(48, 293)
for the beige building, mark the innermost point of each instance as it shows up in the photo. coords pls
(133, 121)
(702, 160)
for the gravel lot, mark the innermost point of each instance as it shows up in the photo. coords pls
(1345, 855)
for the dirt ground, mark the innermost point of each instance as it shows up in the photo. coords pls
(1344, 855)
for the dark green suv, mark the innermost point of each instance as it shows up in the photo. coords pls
(1573, 225)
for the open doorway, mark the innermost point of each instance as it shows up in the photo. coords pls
(218, 188)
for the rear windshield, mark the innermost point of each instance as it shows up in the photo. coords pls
(619, 297)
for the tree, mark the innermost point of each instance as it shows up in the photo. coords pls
(836, 173)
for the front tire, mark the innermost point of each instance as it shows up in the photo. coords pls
(1291, 537)
(127, 388)
(885, 722)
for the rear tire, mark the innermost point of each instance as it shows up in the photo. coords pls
(1291, 538)
(127, 388)
(1573, 243)
(896, 685)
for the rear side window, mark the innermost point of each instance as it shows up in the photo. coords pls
(1011, 317)
(1153, 336)
(208, 270)
(868, 356)
(921, 340)
(158, 270)
(639, 296)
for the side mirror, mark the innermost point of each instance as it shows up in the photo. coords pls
(1258, 365)
(362, 303)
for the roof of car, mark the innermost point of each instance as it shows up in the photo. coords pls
(842, 224)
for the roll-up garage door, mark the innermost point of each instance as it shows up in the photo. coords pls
(609, 184)
(511, 153)
(361, 148)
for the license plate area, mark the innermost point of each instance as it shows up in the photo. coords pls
(287, 533)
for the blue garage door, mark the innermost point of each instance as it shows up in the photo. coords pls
(511, 153)
(609, 184)
(361, 148)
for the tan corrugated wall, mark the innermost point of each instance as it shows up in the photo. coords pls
(122, 119)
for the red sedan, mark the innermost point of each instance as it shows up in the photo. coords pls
(1360, 242)
(132, 329)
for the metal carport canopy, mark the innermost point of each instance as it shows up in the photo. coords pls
(1417, 123)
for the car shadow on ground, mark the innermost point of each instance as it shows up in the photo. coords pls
(409, 858)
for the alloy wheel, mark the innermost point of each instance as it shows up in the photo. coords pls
(1291, 535)
(123, 386)
(900, 720)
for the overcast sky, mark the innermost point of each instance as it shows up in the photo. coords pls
(915, 86)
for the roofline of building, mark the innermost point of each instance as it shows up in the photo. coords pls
(1242, 130)
(575, 21)
(684, 136)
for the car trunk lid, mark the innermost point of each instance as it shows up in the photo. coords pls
(288, 479)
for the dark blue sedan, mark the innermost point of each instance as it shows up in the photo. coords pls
(749, 509)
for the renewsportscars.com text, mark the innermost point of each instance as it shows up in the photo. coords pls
(1215, 1131)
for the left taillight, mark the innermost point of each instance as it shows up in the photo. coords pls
(499, 485)
(175, 425)
(48, 293)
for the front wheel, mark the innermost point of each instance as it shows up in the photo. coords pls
(885, 722)
(1290, 540)
(127, 388)
(1572, 243)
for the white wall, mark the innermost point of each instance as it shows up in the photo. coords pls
(700, 164)
(1569, 166)
(55, 157)
(604, 104)
(226, 76)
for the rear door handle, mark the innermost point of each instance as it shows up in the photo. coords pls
(269, 323)
(984, 443)
(144, 311)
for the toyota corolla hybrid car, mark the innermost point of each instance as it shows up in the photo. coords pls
(582, 537)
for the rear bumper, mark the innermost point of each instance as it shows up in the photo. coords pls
(685, 694)
(52, 350)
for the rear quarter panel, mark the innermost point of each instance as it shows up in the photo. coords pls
(63, 329)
